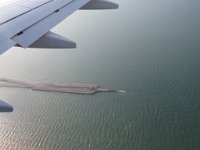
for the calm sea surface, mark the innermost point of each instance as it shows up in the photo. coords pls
(150, 48)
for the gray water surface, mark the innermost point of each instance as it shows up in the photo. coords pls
(149, 48)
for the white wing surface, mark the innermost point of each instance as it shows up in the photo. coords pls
(26, 23)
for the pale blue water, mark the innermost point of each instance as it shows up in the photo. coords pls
(150, 48)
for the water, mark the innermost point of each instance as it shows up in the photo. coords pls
(150, 48)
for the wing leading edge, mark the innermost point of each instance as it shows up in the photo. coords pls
(27, 23)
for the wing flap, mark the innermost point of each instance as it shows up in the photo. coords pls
(31, 34)
(23, 22)
(35, 3)
(9, 12)
(20, 23)
(13, 12)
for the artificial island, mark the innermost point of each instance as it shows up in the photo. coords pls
(86, 89)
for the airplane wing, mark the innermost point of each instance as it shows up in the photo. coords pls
(26, 23)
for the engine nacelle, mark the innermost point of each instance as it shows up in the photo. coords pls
(5, 107)
(100, 4)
